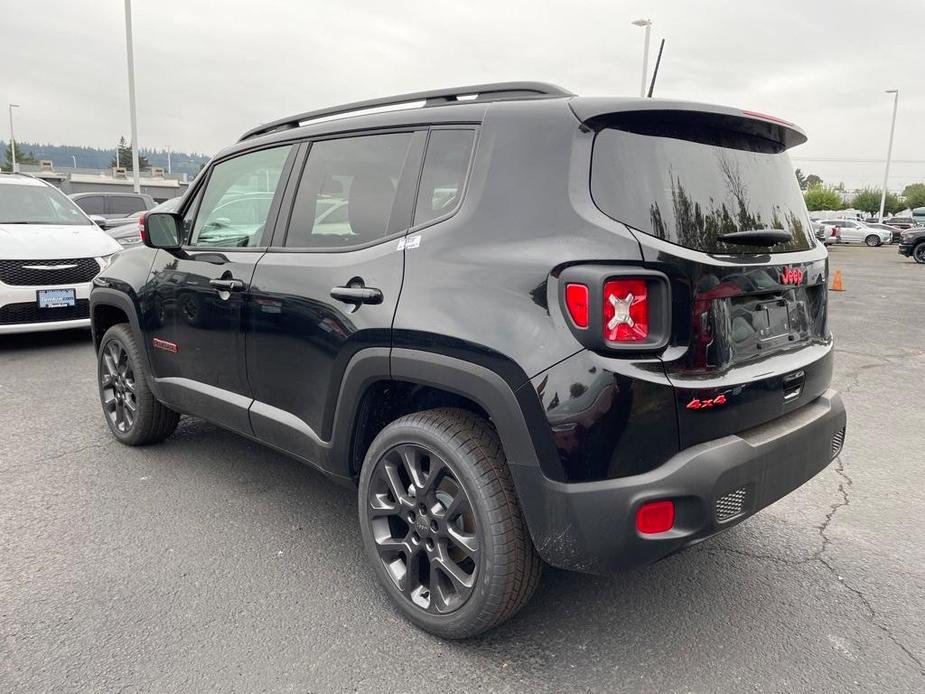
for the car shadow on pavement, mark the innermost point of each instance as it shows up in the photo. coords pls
(45, 341)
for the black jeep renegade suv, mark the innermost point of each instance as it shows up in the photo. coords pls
(527, 325)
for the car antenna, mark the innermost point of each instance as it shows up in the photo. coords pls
(658, 61)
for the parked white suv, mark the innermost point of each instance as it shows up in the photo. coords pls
(50, 252)
(853, 231)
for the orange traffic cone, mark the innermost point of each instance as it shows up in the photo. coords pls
(836, 283)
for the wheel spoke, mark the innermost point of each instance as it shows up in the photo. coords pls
(379, 505)
(455, 507)
(109, 403)
(469, 544)
(396, 485)
(461, 581)
(435, 474)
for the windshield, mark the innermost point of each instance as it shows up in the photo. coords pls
(690, 188)
(30, 204)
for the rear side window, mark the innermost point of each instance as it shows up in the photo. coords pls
(125, 204)
(689, 188)
(347, 191)
(444, 175)
(92, 204)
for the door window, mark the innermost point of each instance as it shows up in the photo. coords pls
(233, 210)
(347, 191)
(125, 204)
(444, 174)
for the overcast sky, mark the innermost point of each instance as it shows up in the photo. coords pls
(206, 70)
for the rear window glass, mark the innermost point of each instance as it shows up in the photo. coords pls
(689, 191)
(91, 205)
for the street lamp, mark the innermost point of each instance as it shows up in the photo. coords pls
(12, 140)
(889, 151)
(647, 23)
(131, 93)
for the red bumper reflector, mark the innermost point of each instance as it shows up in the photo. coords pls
(576, 300)
(655, 517)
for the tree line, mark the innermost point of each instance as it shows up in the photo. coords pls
(819, 196)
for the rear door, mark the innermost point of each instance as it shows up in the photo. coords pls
(195, 314)
(330, 284)
(749, 336)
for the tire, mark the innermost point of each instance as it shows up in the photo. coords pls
(873, 241)
(453, 461)
(122, 382)
(918, 253)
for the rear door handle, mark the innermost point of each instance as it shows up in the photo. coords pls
(357, 295)
(228, 285)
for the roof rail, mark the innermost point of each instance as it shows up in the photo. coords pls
(434, 97)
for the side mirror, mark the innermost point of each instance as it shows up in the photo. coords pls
(161, 230)
(101, 222)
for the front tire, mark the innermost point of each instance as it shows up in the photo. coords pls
(918, 253)
(873, 241)
(441, 523)
(133, 414)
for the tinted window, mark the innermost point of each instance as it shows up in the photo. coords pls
(91, 205)
(29, 204)
(689, 188)
(444, 174)
(125, 204)
(347, 191)
(234, 207)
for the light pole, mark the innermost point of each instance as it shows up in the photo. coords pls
(647, 23)
(13, 168)
(74, 159)
(131, 93)
(168, 158)
(889, 151)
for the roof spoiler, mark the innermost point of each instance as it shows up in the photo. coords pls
(650, 115)
(434, 97)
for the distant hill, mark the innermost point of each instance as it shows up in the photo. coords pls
(94, 158)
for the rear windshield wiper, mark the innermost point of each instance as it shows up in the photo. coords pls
(757, 237)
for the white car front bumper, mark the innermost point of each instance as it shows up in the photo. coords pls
(19, 311)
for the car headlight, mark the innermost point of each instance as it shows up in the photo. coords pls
(104, 261)
(130, 240)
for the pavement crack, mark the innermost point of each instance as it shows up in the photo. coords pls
(844, 485)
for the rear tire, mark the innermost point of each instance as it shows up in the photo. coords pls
(918, 253)
(134, 415)
(873, 241)
(418, 473)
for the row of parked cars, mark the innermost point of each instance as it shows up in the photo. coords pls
(870, 233)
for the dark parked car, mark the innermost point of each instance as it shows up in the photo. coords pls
(901, 222)
(526, 325)
(912, 244)
(112, 209)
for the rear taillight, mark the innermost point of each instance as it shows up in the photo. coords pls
(612, 308)
(655, 517)
(142, 229)
(626, 310)
(576, 301)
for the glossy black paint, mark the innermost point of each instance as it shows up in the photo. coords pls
(472, 308)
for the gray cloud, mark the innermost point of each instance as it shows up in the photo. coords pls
(208, 69)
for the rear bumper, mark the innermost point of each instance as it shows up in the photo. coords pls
(590, 526)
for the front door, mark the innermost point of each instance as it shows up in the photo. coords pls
(198, 295)
(330, 284)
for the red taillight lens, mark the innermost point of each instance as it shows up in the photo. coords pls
(142, 229)
(576, 301)
(626, 310)
(655, 517)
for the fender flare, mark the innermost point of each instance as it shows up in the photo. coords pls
(512, 410)
(105, 296)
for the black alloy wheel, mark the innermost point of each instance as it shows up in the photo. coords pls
(117, 387)
(424, 528)
(918, 253)
(441, 523)
(133, 414)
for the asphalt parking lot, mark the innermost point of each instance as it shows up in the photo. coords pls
(211, 563)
